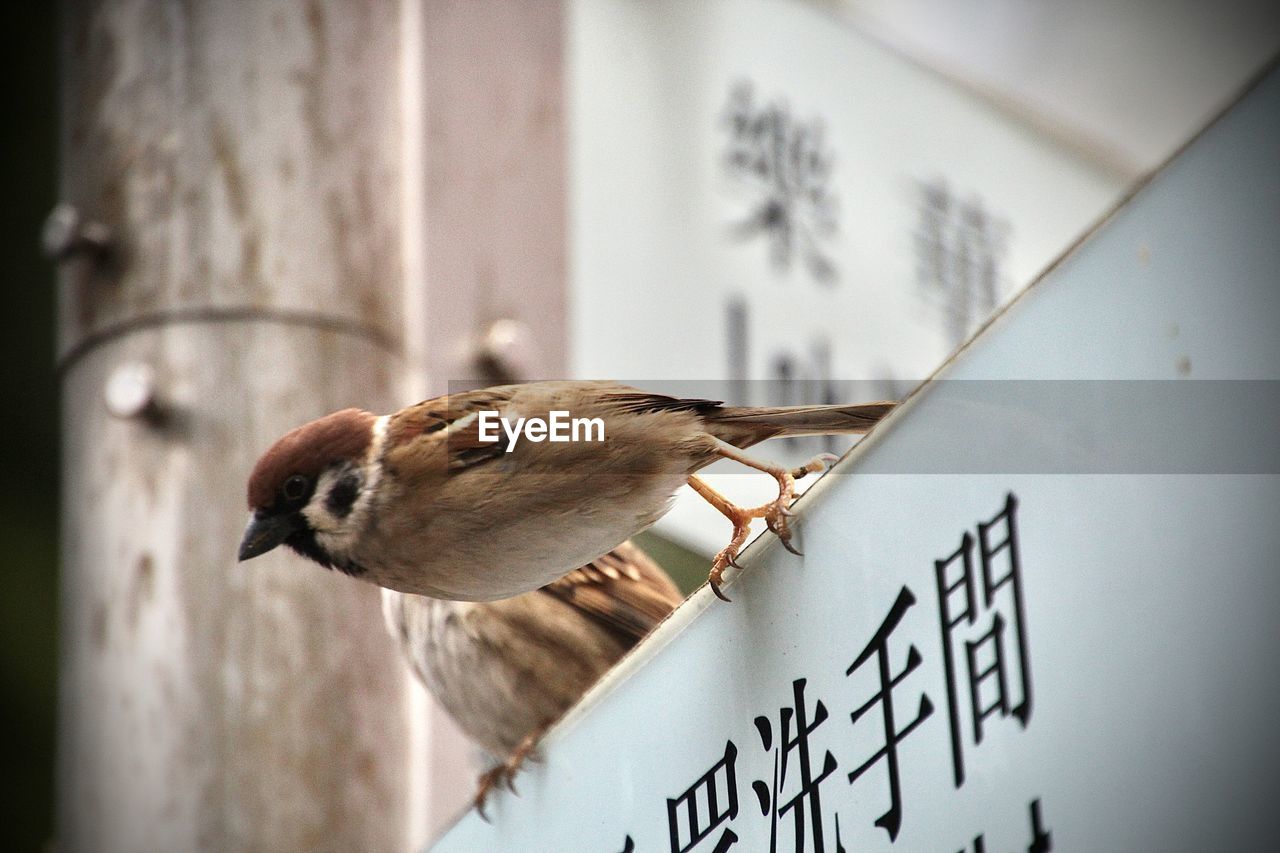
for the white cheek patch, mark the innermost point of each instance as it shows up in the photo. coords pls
(338, 535)
(336, 530)
(318, 518)
(317, 513)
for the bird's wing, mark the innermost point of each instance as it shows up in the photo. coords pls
(631, 401)
(624, 590)
(449, 425)
(439, 413)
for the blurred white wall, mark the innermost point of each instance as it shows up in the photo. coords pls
(1132, 79)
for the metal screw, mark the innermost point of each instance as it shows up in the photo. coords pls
(509, 351)
(131, 392)
(67, 234)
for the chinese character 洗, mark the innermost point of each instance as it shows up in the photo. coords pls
(700, 810)
(878, 647)
(808, 798)
(989, 660)
(785, 166)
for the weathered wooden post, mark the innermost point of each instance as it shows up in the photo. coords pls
(230, 266)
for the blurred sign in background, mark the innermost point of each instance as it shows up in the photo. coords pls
(807, 194)
(1128, 83)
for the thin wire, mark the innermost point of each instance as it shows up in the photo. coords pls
(307, 319)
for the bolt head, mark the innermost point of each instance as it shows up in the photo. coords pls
(131, 391)
(60, 230)
(510, 348)
(66, 233)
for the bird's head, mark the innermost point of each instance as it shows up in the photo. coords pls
(311, 490)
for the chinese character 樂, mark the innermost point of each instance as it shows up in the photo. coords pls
(784, 164)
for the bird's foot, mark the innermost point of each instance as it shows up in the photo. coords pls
(489, 780)
(775, 515)
(503, 775)
(777, 511)
(728, 556)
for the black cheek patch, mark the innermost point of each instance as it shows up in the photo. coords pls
(343, 495)
(304, 542)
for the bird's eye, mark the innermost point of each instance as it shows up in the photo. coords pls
(295, 488)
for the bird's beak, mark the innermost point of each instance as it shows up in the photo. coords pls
(266, 532)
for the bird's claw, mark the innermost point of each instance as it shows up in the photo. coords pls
(775, 519)
(715, 588)
(775, 515)
(727, 557)
(783, 532)
(488, 781)
(816, 465)
(504, 774)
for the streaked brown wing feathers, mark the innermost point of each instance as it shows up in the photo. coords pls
(623, 590)
(638, 402)
(437, 419)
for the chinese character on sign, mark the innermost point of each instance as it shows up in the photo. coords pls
(1041, 840)
(785, 167)
(807, 799)
(878, 647)
(697, 812)
(990, 628)
(987, 676)
(958, 250)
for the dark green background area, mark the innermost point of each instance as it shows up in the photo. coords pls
(29, 496)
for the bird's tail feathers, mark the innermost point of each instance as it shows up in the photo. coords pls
(742, 426)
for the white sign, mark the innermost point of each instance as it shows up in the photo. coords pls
(1000, 661)
(760, 192)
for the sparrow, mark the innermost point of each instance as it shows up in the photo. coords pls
(506, 670)
(437, 500)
